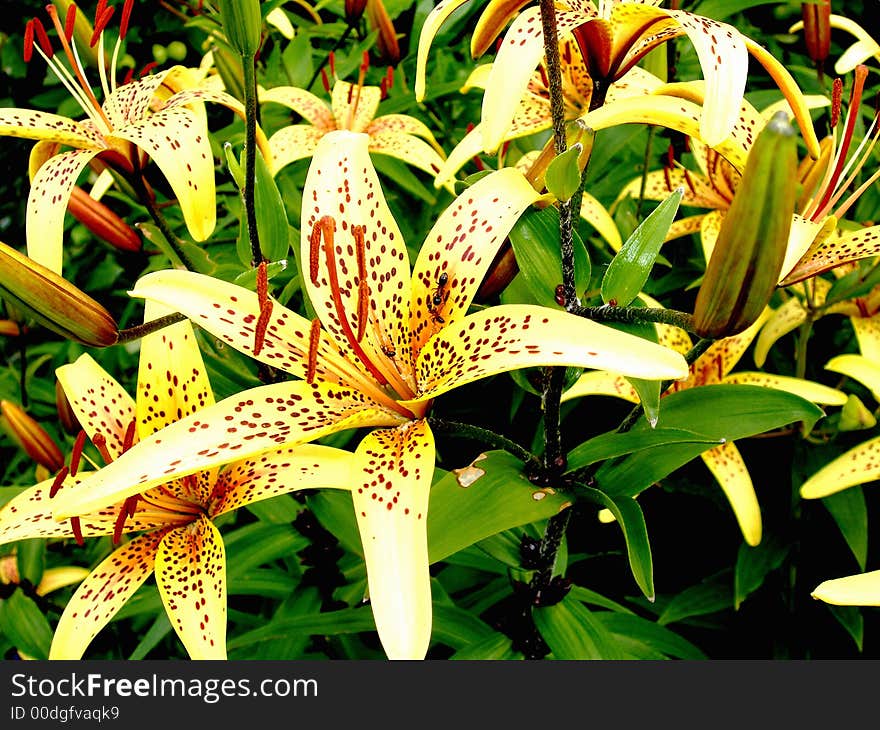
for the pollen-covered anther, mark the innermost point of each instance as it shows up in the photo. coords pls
(102, 18)
(76, 453)
(100, 442)
(836, 101)
(59, 480)
(127, 510)
(265, 307)
(128, 440)
(363, 304)
(314, 339)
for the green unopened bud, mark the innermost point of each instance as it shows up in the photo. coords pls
(745, 264)
(242, 24)
(30, 436)
(53, 301)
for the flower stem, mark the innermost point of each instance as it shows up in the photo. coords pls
(248, 63)
(466, 430)
(174, 242)
(633, 315)
(135, 333)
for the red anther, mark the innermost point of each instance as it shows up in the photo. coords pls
(59, 480)
(383, 89)
(146, 69)
(469, 128)
(331, 60)
(120, 523)
(350, 94)
(265, 307)
(43, 38)
(498, 44)
(315, 252)
(28, 41)
(77, 531)
(129, 435)
(389, 75)
(126, 14)
(100, 442)
(670, 156)
(325, 81)
(365, 62)
(478, 163)
(836, 101)
(689, 182)
(363, 308)
(667, 178)
(314, 339)
(504, 148)
(128, 76)
(77, 452)
(100, 9)
(101, 22)
(544, 79)
(69, 21)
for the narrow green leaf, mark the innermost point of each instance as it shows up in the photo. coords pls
(31, 559)
(258, 544)
(495, 646)
(629, 516)
(754, 563)
(272, 225)
(611, 444)
(573, 632)
(709, 596)
(850, 512)
(158, 631)
(585, 595)
(727, 412)
(535, 240)
(234, 165)
(630, 268)
(640, 635)
(458, 628)
(390, 168)
(25, 625)
(853, 621)
(332, 623)
(649, 397)
(563, 176)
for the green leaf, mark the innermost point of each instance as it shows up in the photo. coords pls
(458, 628)
(25, 625)
(573, 632)
(563, 176)
(493, 501)
(753, 564)
(727, 412)
(629, 516)
(258, 544)
(852, 620)
(630, 268)
(397, 171)
(332, 623)
(850, 512)
(272, 226)
(644, 638)
(710, 596)
(535, 240)
(649, 397)
(585, 595)
(611, 444)
(158, 631)
(495, 646)
(31, 558)
(267, 582)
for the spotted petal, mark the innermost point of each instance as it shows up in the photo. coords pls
(867, 330)
(730, 471)
(808, 389)
(32, 124)
(787, 318)
(859, 465)
(296, 142)
(597, 215)
(172, 380)
(240, 426)
(832, 251)
(130, 102)
(507, 337)
(432, 24)
(462, 244)
(860, 368)
(393, 476)
(47, 204)
(354, 107)
(29, 515)
(101, 404)
(408, 149)
(601, 382)
(314, 110)
(288, 469)
(342, 184)
(191, 576)
(97, 599)
(853, 590)
(176, 138)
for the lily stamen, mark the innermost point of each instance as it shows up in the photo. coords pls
(76, 454)
(59, 480)
(363, 304)
(77, 531)
(100, 442)
(128, 440)
(314, 339)
(265, 307)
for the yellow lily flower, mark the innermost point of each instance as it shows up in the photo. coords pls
(352, 107)
(179, 542)
(614, 35)
(714, 367)
(862, 589)
(384, 344)
(133, 122)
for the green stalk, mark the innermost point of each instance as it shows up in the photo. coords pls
(248, 63)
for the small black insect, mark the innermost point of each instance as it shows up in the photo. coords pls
(438, 297)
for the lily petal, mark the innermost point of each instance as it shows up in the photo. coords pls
(714, 364)
(860, 368)
(164, 136)
(29, 515)
(342, 184)
(32, 124)
(244, 424)
(47, 204)
(310, 107)
(470, 146)
(354, 107)
(307, 466)
(859, 465)
(432, 24)
(853, 590)
(508, 337)
(597, 215)
(102, 594)
(102, 406)
(787, 318)
(296, 142)
(730, 471)
(172, 380)
(191, 576)
(815, 392)
(395, 468)
(130, 103)
(408, 149)
(462, 244)
(867, 330)
(828, 253)
(601, 382)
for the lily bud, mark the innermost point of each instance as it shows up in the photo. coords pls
(102, 221)
(817, 29)
(386, 43)
(9, 328)
(30, 436)
(745, 264)
(54, 301)
(242, 24)
(354, 10)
